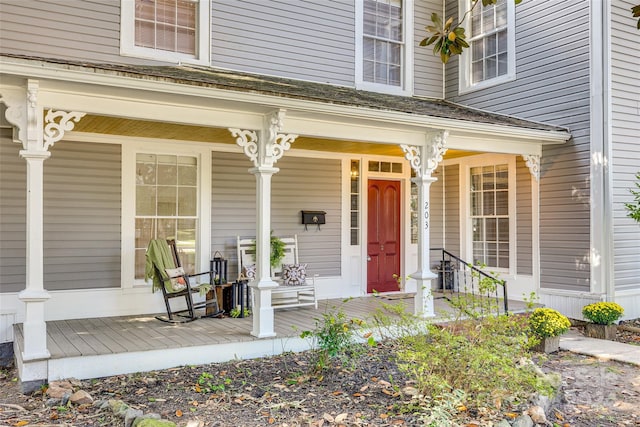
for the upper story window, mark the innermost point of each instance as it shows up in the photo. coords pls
(490, 58)
(383, 26)
(166, 30)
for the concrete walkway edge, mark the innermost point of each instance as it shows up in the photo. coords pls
(575, 342)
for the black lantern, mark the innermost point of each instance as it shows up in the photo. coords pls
(219, 264)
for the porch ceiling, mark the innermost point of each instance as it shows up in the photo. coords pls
(180, 132)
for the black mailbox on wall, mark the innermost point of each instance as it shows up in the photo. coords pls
(313, 217)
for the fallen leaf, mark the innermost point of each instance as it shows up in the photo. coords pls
(461, 408)
(178, 413)
(384, 383)
(340, 417)
(384, 416)
(367, 335)
(357, 394)
(374, 379)
(198, 389)
(328, 417)
(337, 393)
(364, 388)
(22, 423)
(271, 420)
(387, 392)
(398, 422)
(511, 415)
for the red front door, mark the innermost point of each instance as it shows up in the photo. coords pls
(383, 235)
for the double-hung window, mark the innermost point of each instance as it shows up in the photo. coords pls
(382, 52)
(489, 204)
(490, 58)
(166, 205)
(166, 30)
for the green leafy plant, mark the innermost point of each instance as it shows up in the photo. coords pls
(206, 385)
(334, 337)
(634, 207)
(235, 312)
(277, 250)
(487, 354)
(547, 322)
(450, 40)
(602, 313)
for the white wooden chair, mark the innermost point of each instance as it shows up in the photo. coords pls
(284, 296)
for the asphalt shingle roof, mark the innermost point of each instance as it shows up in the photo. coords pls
(295, 89)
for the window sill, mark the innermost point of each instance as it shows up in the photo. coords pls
(463, 89)
(162, 56)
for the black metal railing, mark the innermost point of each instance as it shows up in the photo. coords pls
(468, 287)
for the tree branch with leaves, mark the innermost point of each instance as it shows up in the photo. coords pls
(449, 39)
(634, 207)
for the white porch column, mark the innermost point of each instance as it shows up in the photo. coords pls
(26, 115)
(424, 160)
(264, 152)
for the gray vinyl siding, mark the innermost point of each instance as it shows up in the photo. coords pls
(301, 184)
(625, 114)
(452, 209)
(13, 210)
(86, 30)
(436, 210)
(301, 39)
(428, 71)
(552, 86)
(82, 216)
(524, 219)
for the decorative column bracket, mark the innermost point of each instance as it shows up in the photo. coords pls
(54, 130)
(26, 117)
(272, 145)
(533, 163)
(425, 160)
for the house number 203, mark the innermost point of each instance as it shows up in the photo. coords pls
(426, 215)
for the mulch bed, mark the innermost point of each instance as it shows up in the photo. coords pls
(280, 391)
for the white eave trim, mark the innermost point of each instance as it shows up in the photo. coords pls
(110, 79)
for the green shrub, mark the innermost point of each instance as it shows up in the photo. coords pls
(334, 337)
(547, 322)
(602, 313)
(480, 357)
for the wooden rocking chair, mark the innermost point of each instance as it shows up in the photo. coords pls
(164, 267)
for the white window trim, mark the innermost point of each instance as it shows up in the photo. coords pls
(464, 73)
(203, 247)
(407, 53)
(203, 42)
(465, 206)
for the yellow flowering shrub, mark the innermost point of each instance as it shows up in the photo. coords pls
(547, 322)
(602, 313)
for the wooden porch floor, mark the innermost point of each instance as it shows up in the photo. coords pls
(87, 348)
